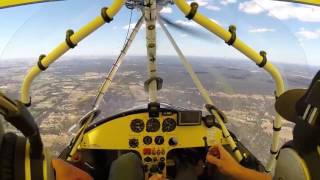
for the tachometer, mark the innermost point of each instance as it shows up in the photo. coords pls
(153, 125)
(137, 125)
(169, 125)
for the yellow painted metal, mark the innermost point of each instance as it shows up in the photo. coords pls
(27, 162)
(63, 48)
(77, 141)
(45, 167)
(303, 165)
(12, 3)
(310, 2)
(115, 134)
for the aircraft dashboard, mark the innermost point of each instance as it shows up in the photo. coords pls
(152, 136)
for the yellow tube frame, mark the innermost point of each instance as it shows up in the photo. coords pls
(63, 48)
(247, 51)
(310, 2)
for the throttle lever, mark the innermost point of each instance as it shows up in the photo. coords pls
(206, 147)
(209, 168)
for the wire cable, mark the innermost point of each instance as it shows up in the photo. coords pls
(128, 31)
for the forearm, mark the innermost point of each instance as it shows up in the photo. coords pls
(249, 174)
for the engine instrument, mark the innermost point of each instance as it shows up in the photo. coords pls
(153, 125)
(168, 125)
(137, 125)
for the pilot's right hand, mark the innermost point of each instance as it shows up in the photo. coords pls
(224, 162)
(228, 166)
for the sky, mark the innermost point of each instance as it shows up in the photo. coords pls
(288, 32)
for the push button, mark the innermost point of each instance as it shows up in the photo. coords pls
(147, 159)
(163, 152)
(154, 151)
(155, 159)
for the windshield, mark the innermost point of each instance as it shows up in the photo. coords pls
(67, 90)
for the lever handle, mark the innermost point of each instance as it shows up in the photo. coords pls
(18, 116)
(7, 105)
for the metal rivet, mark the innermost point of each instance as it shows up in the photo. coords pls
(151, 27)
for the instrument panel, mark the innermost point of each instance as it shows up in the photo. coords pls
(152, 137)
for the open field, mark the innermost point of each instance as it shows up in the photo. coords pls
(66, 91)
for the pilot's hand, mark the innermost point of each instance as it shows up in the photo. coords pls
(157, 177)
(225, 163)
(65, 171)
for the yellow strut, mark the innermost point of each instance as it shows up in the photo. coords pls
(63, 48)
(13, 3)
(310, 2)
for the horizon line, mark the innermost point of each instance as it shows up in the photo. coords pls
(68, 57)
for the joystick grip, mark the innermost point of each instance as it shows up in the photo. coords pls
(215, 152)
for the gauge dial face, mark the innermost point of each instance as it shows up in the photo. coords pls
(133, 143)
(147, 140)
(159, 140)
(153, 125)
(137, 125)
(169, 125)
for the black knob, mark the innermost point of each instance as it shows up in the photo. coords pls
(159, 140)
(173, 141)
(161, 165)
(154, 169)
(147, 140)
(145, 168)
(133, 143)
(209, 121)
(148, 159)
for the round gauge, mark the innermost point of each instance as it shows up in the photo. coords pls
(169, 125)
(159, 140)
(153, 125)
(147, 140)
(137, 125)
(133, 143)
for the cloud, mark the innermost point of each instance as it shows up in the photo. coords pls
(261, 30)
(166, 10)
(207, 4)
(200, 2)
(250, 7)
(308, 35)
(192, 23)
(281, 10)
(132, 25)
(212, 7)
(226, 2)
(188, 23)
(184, 35)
